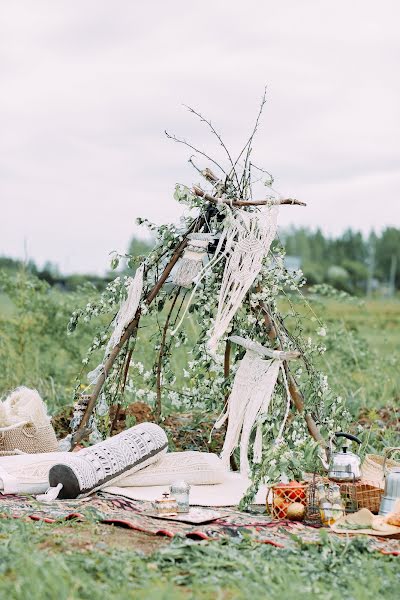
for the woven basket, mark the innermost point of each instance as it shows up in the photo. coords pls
(283, 496)
(28, 438)
(372, 469)
(361, 494)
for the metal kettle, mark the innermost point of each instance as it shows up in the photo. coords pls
(392, 485)
(344, 466)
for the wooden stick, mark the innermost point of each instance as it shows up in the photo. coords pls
(125, 377)
(236, 202)
(227, 356)
(157, 411)
(295, 393)
(130, 330)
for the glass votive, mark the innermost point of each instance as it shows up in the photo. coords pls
(180, 491)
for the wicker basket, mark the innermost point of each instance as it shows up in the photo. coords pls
(361, 494)
(283, 495)
(28, 438)
(372, 469)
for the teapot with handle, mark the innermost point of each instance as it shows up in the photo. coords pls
(344, 466)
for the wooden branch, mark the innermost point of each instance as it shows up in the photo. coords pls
(295, 393)
(125, 377)
(130, 330)
(157, 411)
(236, 202)
(227, 356)
(81, 432)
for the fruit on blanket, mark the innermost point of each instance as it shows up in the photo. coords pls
(280, 507)
(293, 491)
(295, 511)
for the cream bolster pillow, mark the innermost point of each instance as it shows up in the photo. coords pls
(90, 469)
(196, 468)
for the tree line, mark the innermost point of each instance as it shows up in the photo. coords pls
(351, 261)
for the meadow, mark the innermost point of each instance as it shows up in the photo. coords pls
(92, 561)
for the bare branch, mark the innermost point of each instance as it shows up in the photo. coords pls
(182, 141)
(248, 143)
(236, 202)
(218, 136)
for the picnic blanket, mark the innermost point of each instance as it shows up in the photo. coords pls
(117, 510)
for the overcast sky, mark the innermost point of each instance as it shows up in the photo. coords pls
(88, 87)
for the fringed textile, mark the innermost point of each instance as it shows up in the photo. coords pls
(248, 241)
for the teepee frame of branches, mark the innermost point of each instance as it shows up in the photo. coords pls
(234, 189)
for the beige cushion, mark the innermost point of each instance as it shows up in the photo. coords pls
(196, 468)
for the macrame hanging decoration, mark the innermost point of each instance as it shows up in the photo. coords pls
(127, 309)
(250, 398)
(191, 263)
(125, 315)
(248, 241)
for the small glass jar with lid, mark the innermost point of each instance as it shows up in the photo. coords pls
(166, 505)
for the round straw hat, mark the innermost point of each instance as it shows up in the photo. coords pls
(372, 469)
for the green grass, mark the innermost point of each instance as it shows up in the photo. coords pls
(37, 562)
(35, 565)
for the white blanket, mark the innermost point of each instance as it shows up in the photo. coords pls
(27, 473)
(227, 493)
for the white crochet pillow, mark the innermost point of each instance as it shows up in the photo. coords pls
(196, 468)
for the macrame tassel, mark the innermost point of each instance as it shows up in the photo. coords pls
(51, 494)
(125, 315)
(191, 263)
(94, 375)
(251, 395)
(127, 309)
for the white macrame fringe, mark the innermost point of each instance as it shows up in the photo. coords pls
(248, 241)
(127, 309)
(250, 398)
(125, 315)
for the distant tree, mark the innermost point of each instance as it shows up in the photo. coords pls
(139, 247)
(388, 254)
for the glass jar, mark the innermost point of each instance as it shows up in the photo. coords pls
(180, 491)
(166, 505)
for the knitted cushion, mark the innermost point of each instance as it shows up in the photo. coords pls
(196, 468)
(92, 468)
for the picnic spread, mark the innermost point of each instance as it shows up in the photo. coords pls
(285, 466)
(129, 480)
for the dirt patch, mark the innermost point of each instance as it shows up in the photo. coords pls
(385, 418)
(95, 536)
(186, 431)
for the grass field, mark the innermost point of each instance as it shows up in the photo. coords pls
(94, 561)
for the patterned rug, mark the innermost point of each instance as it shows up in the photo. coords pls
(116, 510)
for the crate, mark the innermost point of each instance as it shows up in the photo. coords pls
(281, 495)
